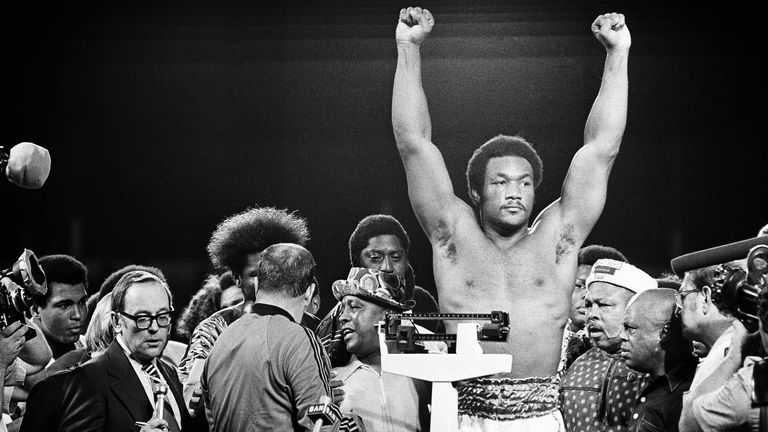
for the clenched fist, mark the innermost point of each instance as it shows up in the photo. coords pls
(611, 30)
(414, 25)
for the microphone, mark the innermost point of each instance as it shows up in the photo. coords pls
(27, 165)
(160, 390)
(321, 414)
(716, 255)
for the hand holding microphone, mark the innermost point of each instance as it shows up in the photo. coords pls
(321, 414)
(27, 165)
(153, 425)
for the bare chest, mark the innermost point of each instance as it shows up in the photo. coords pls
(485, 277)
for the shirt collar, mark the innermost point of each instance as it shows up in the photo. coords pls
(268, 309)
(344, 372)
(681, 373)
(723, 343)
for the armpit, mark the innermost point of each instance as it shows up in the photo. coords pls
(444, 242)
(566, 243)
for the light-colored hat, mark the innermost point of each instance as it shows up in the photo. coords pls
(621, 274)
(382, 288)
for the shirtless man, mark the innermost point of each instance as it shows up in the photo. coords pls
(499, 262)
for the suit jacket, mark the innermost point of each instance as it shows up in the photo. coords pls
(102, 394)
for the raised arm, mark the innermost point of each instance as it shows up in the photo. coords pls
(585, 186)
(429, 185)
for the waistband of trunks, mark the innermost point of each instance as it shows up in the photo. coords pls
(509, 398)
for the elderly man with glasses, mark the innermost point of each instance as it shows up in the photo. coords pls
(705, 317)
(117, 391)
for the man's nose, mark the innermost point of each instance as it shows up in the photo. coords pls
(592, 313)
(514, 191)
(344, 316)
(153, 326)
(387, 265)
(78, 312)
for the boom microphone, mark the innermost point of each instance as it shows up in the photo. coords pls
(716, 255)
(27, 165)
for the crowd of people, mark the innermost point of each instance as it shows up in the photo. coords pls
(598, 344)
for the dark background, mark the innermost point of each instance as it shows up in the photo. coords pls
(163, 118)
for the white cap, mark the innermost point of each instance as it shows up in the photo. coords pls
(621, 274)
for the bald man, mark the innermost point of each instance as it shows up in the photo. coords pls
(652, 342)
(266, 369)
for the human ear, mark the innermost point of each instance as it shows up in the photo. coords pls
(115, 321)
(475, 197)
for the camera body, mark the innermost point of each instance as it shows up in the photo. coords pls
(18, 284)
(740, 289)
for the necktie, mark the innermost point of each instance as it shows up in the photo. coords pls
(154, 373)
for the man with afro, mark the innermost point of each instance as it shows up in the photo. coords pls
(235, 246)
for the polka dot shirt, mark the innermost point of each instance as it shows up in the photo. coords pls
(599, 393)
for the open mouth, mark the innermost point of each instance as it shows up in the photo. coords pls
(345, 332)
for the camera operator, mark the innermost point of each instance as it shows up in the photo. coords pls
(11, 341)
(728, 398)
(24, 352)
(706, 318)
(720, 281)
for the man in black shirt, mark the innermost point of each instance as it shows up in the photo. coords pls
(652, 342)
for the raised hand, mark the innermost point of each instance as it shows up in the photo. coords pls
(611, 30)
(414, 25)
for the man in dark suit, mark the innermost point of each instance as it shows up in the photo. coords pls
(114, 391)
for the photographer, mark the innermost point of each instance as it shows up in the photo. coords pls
(24, 352)
(706, 318)
(727, 392)
(20, 359)
(727, 398)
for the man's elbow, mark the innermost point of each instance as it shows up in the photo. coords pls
(409, 143)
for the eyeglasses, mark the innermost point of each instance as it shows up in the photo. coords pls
(144, 321)
(680, 296)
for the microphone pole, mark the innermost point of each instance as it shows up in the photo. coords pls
(160, 390)
(321, 413)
